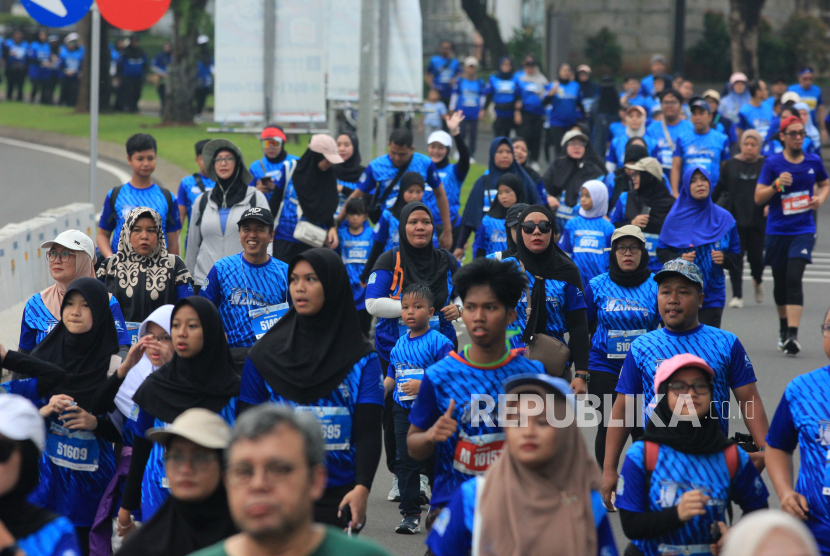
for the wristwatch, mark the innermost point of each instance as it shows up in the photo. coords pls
(584, 375)
(460, 309)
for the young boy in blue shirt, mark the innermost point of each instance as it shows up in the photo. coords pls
(420, 348)
(140, 191)
(468, 95)
(194, 185)
(355, 235)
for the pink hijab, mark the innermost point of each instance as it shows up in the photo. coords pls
(53, 295)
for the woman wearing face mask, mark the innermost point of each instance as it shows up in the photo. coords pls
(201, 374)
(78, 462)
(439, 145)
(676, 482)
(316, 359)
(554, 304)
(564, 178)
(70, 257)
(635, 126)
(196, 514)
(310, 196)
(541, 497)
(646, 205)
(485, 190)
(349, 171)
(699, 231)
(622, 305)
(143, 275)
(213, 232)
(24, 527)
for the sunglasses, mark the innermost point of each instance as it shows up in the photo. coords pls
(275, 142)
(7, 448)
(544, 226)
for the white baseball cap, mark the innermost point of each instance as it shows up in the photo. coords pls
(72, 239)
(20, 420)
(71, 37)
(790, 96)
(440, 137)
(200, 426)
(203, 39)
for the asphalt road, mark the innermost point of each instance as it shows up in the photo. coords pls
(34, 181)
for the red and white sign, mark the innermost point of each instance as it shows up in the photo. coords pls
(475, 454)
(133, 15)
(795, 203)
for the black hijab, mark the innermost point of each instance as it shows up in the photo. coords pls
(16, 513)
(684, 437)
(628, 279)
(208, 380)
(306, 358)
(408, 180)
(511, 221)
(180, 528)
(350, 170)
(622, 183)
(550, 264)
(497, 210)
(316, 189)
(231, 191)
(609, 98)
(568, 174)
(85, 357)
(425, 265)
(652, 193)
(505, 75)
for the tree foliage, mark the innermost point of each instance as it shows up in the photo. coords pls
(708, 60)
(189, 18)
(488, 28)
(524, 42)
(604, 52)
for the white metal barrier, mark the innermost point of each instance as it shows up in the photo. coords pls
(24, 269)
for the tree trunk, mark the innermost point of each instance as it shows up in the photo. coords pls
(181, 81)
(743, 34)
(488, 28)
(104, 85)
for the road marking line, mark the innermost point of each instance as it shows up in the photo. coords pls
(120, 175)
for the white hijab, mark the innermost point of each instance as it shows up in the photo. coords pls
(144, 368)
(810, 127)
(599, 195)
(751, 531)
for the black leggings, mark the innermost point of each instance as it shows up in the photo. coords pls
(326, 508)
(603, 384)
(711, 316)
(752, 243)
(787, 286)
(531, 129)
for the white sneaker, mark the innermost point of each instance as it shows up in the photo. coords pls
(472, 160)
(426, 491)
(736, 303)
(394, 494)
(759, 293)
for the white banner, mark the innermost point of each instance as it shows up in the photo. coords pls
(299, 83)
(406, 72)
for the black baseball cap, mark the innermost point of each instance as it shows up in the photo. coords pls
(259, 214)
(697, 102)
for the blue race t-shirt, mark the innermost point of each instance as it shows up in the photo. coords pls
(277, 171)
(504, 95)
(714, 279)
(531, 94)
(129, 198)
(721, 349)
(561, 297)
(16, 53)
(189, 190)
(586, 240)
(355, 249)
(790, 212)
(706, 150)
(664, 151)
(811, 97)
(675, 474)
(251, 298)
(56, 538)
(491, 236)
(411, 356)
(453, 530)
(803, 419)
(434, 113)
(363, 384)
(616, 152)
(386, 231)
(564, 111)
(443, 70)
(758, 118)
(470, 96)
(453, 179)
(38, 322)
(70, 60)
(622, 315)
(470, 450)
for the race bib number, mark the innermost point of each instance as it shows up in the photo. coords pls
(76, 450)
(132, 331)
(263, 318)
(336, 424)
(434, 324)
(795, 203)
(355, 252)
(651, 244)
(619, 342)
(474, 455)
(402, 376)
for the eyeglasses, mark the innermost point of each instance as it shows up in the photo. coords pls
(670, 103)
(273, 473)
(199, 461)
(825, 330)
(7, 448)
(680, 387)
(52, 256)
(633, 249)
(794, 134)
(224, 160)
(274, 142)
(544, 226)
(162, 338)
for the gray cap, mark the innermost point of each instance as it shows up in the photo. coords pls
(680, 267)
(658, 58)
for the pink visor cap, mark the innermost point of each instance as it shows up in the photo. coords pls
(671, 366)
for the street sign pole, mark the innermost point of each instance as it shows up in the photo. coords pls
(94, 93)
(269, 58)
(365, 117)
(383, 74)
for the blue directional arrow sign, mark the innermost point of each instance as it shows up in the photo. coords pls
(57, 13)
